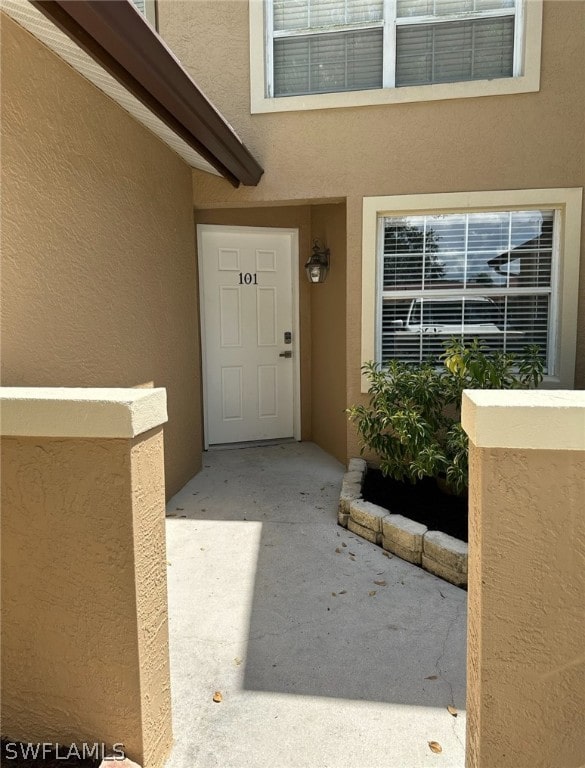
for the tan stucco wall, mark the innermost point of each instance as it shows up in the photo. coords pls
(98, 255)
(328, 384)
(532, 140)
(525, 668)
(84, 605)
(152, 616)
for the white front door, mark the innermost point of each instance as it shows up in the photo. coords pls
(249, 340)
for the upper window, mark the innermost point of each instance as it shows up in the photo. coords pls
(335, 45)
(148, 9)
(501, 267)
(351, 52)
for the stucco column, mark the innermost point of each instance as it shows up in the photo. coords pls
(84, 600)
(525, 658)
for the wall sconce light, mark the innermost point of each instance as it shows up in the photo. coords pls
(317, 265)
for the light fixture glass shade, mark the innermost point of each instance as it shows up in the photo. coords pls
(317, 266)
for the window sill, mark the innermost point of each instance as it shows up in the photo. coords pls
(415, 93)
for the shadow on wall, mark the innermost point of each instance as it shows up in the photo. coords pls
(314, 627)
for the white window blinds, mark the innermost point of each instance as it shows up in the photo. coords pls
(327, 45)
(323, 63)
(312, 14)
(320, 46)
(148, 9)
(446, 53)
(482, 275)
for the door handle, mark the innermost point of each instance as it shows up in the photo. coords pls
(288, 353)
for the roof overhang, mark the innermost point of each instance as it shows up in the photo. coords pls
(113, 46)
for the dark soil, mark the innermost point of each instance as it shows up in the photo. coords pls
(423, 502)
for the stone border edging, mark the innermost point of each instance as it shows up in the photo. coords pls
(435, 551)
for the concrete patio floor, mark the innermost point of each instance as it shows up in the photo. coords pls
(314, 669)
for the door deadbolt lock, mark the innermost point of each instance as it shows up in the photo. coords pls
(288, 353)
(287, 337)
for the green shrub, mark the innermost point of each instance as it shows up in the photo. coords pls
(413, 419)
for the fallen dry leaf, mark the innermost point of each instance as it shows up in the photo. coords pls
(432, 677)
(334, 594)
(372, 593)
(452, 711)
(338, 550)
(237, 661)
(343, 592)
(435, 747)
(217, 697)
(352, 558)
(180, 509)
(380, 583)
(352, 554)
(343, 544)
(386, 554)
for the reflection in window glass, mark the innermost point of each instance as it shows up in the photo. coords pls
(485, 275)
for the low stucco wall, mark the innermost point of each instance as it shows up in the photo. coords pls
(84, 602)
(98, 253)
(525, 665)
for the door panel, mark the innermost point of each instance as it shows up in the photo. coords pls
(230, 317)
(247, 306)
(267, 391)
(231, 393)
(266, 310)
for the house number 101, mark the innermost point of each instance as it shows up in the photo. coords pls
(247, 278)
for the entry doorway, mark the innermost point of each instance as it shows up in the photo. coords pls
(248, 281)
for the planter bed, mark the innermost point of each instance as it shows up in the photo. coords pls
(423, 502)
(419, 524)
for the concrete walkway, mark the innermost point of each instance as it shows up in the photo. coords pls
(318, 666)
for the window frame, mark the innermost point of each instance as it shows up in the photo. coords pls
(526, 77)
(564, 296)
(150, 12)
(465, 292)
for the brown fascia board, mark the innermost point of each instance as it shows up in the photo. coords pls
(115, 34)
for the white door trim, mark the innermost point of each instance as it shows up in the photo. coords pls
(296, 361)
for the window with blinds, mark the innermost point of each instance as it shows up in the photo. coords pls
(487, 276)
(148, 9)
(322, 46)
